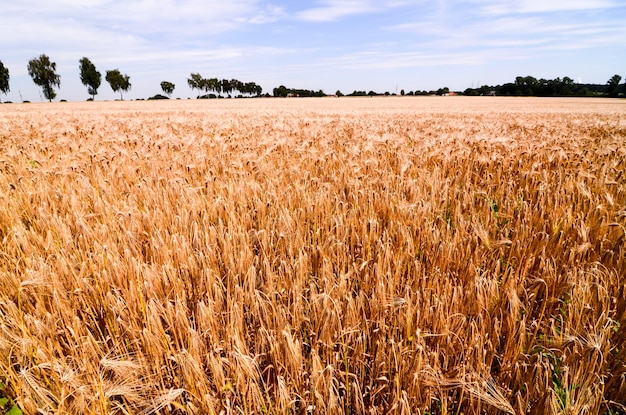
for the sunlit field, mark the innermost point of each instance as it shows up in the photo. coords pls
(432, 255)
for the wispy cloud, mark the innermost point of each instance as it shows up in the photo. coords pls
(335, 10)
(492, 8)
(522, 26)
(122, 32)
(269, 14)
(141, 19)
(330, 11)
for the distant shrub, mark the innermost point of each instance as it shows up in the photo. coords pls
(157, 96)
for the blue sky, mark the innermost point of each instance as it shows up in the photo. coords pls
(326, 44)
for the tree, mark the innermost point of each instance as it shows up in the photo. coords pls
(280, 91)
(212, 84)
(4, 78)
(118, 81)
(195, 81)
(567, 86)
(90, 77)
(226, 86)
(236, 85)
(44, 74)
(253, 89)
(613, 86)
(526, 85)
(258, 89)
(167, 88)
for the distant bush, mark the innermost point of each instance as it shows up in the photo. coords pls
(157, 96)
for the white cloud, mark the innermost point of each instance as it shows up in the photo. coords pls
(494, 8)
(334, 10)
(526, 32)
(269, 14)
(140, 18)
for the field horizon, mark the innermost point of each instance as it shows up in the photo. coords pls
(405, 103)
(409, 255)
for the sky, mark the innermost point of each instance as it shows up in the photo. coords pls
(347, 45)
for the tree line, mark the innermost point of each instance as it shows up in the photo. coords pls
(43, 73)
(214, 86)
(559, 87)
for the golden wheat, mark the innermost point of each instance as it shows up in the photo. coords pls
(331, 256)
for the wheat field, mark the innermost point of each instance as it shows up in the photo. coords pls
(432, 255)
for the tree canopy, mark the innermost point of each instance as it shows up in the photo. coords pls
(118, 81)
(214, 86)
(613, 86)
(558, 87)
(89, 76)
(167, 87)
(43, 72)
(4, 78)
(195, 81)
(283, 91)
